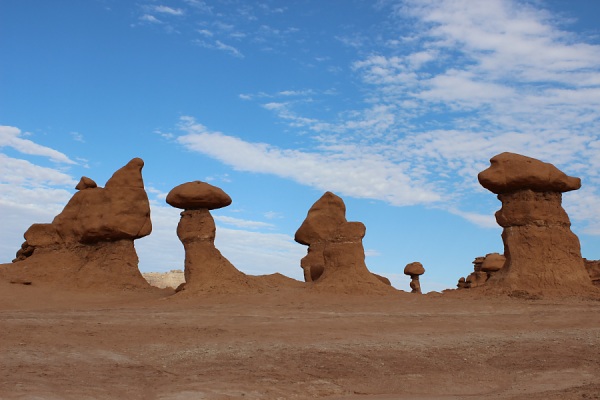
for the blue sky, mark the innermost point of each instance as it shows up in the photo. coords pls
(393, 105)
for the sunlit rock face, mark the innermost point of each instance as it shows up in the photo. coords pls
(542, 254)
(336, 258)
(593, 269)
(90, 243)
(483, 269)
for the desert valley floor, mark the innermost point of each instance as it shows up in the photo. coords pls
(295, 344)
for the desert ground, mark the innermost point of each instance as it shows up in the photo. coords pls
(293, 343)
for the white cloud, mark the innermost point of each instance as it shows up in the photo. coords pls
(77, 137)
(168, 10)
(199, 5)
(242, 223)
(11, 137)
(15, 171)
(228, 48)
(456, 83)
(150, 18)
(219, 45)
(352, 173)
(483, 220)
(205, 32)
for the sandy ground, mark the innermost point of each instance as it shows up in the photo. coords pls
(293, 344)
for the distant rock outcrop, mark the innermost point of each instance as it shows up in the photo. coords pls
(162, 280)
(90, 243)
(336, 259)
(542, 254)
(483, 269)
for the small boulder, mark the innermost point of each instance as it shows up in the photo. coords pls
(85, 183)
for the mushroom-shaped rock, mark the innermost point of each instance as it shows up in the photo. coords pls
(543, 255)
(510, 172)
(198, 195)
(85, 183)
(414, 269)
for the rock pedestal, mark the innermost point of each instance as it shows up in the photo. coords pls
(414, 270)
(542, 254)
(205, 267)
(90, 243)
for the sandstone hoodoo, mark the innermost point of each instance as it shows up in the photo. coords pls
(205, 266)
(336, 258)
(414, 270)
(477, 277)
(90, 243)
(542, 254)
(483, 269)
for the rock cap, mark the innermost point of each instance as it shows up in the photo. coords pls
(493, 262)
(414, 268)
(510, 172)
(86, 183)
(197, 195)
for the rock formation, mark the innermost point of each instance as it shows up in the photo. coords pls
(205, 266)
(542, 254)
(477, 277)
(414, 270)
(336, 258)
(483, 269)
(492, 263)
(593, 269)
(90, 243)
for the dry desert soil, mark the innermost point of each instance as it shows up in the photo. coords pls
(294, 344)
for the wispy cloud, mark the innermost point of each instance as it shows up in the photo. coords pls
(12, 137)
(468, 82)
(77, 137)
(218, 45)
(150, 18)
(352, 172)
(242, 223)
(228, 48)
(246, 24)
(168, 10)
(23, 172)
